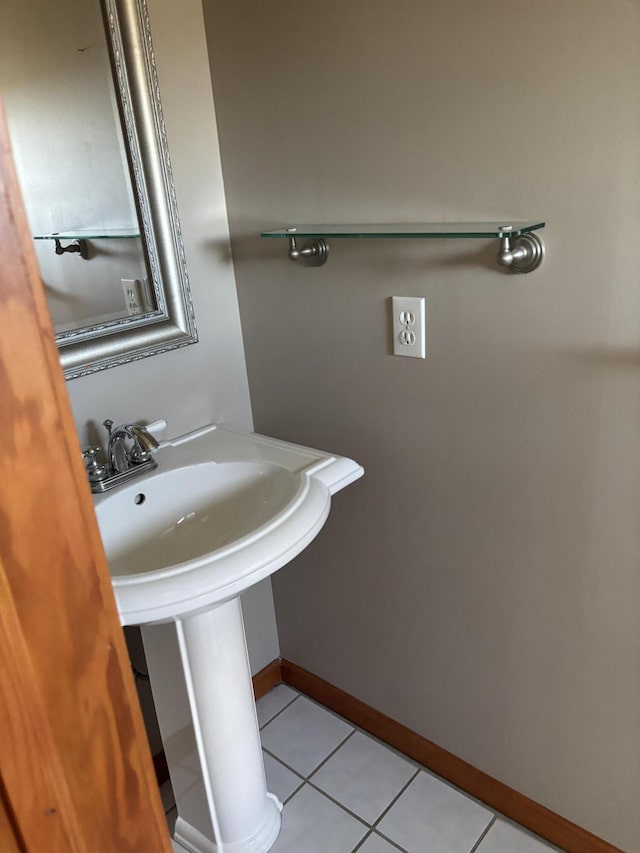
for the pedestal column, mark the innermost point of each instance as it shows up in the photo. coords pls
(245, 818)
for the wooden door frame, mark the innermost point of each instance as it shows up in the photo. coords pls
(75, 769)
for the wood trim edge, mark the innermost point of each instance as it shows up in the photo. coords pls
(497, 795)
(267, 678)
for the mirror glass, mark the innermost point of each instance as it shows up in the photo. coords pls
(80, 91)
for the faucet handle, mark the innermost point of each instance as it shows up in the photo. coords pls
(144, 444)
(156, 426)
(109, 425)
(89, 454)
(96, 471)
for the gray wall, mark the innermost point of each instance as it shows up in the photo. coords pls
(481, 584)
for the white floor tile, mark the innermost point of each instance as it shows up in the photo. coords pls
(364, 776)
(503, 837)
(273, 702)
(303, 735)
(313, 824)
(376, 844)
(431, 815)
(280, 780)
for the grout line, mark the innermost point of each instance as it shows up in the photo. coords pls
(390, 841)
(483, 835)
(277, 714)
(362, 840)
(331, 754)
(294, 792)
(395, 800)
(284, 763)
(297, 772)
(341, 805)
(373, 833)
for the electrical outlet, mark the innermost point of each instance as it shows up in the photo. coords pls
(407, 314)
(134, 296)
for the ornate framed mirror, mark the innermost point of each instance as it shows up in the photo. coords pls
(88, 134)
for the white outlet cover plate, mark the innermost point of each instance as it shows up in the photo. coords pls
(408, 321)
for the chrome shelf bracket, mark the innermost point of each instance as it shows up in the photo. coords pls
(79, 246)
(314, 251)
(520, 254)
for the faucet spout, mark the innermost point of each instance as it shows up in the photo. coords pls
(145, 443)
(129, 445)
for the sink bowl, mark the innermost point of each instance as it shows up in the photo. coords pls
(223, 510)
(179, 517)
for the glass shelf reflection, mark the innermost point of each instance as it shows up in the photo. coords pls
(91, 234)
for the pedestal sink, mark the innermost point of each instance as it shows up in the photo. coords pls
(223, 510)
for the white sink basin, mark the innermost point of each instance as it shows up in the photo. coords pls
(183, 515)
(223, 510)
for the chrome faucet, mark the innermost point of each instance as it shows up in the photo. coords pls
(129, 453)
(129, 445)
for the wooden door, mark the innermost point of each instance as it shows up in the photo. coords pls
(75, 770)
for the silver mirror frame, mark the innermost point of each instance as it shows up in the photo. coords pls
(172, 324)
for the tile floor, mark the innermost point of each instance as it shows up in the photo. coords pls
(343, 791)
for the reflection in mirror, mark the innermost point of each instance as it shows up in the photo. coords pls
(100, 201)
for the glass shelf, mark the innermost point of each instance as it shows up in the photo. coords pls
(91, 234)
(426, 230)
(520, 250)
